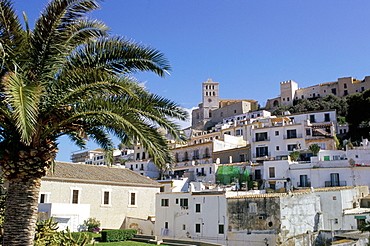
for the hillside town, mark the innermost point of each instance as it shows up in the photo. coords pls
(243, 176)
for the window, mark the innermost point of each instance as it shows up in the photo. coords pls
(291, 134)
(334, 179)
(272, 172)
(261, 151)
(197, 228)
(221, 229)
(75, 196)
(252, 208)
(257, 174)
(334, 91)
(137, 156)
(345, 93)
(177, 201)
(312, 118)
(197, 208)
(303, 181)
(132, 199)
(362, 89)
(166, 225)
(292, 147)
(261, 136)
(195, 154)
(277, 133)
(277, 148)
(184, 203)
(44, 197)
(183, 227)
(308, 132)
(239, 132)
(143, 155)
(165, 202)
(106, 197)
(327, 117)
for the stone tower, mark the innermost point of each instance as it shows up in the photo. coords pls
(210, 98)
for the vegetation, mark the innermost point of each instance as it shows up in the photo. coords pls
(358, 116)
(125, 243)
(47, 234)
(314, 148)
(309, 104)
(68, 77)
(92, 224)
(117, 235)
(294, 155)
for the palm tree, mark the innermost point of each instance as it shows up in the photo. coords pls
(68, 77)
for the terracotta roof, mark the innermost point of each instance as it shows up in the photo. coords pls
(73, 172)
(269, 195)
(334, 188)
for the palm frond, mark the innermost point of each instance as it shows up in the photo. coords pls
(23, 100)
(120, 56)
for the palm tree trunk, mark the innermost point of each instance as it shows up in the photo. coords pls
(21, 211)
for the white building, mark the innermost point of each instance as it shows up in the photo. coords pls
(97, 156)
(114, 196)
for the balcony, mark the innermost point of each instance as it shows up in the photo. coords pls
(260, 139)
(335, 183)
(292, 136)
(185, 159)
(306, 184)
(262, 155)
(195, 157)
(207, 156)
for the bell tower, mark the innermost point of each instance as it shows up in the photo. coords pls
(210, 98)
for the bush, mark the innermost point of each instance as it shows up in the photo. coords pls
(47, 234)
(91, 224)
(117, 235)
(80, 237)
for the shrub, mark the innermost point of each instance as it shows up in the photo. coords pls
(91, 224)
(294, 155)
(47, 234)
(117, 235)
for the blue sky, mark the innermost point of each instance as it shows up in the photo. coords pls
(248, 46)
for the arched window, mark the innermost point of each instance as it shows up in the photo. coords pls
(186, 156)
(276, 103)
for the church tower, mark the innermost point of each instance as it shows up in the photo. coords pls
(210, 98)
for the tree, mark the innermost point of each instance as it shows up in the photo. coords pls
(314, 148)
(294, 155)
(68, 77)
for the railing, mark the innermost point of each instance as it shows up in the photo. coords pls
(257, 156)
(195, 157)
(185, 159)
(335, 183)
(206, 156)
(305, 184)
(293, 136)
(261, 139)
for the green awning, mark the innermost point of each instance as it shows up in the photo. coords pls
(360, 217)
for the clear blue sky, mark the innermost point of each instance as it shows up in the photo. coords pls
(248, 46)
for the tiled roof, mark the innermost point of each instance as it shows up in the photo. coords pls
(334, 188)
(271, 195)
(73, 172)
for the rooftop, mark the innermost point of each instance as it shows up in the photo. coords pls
(83, 173)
